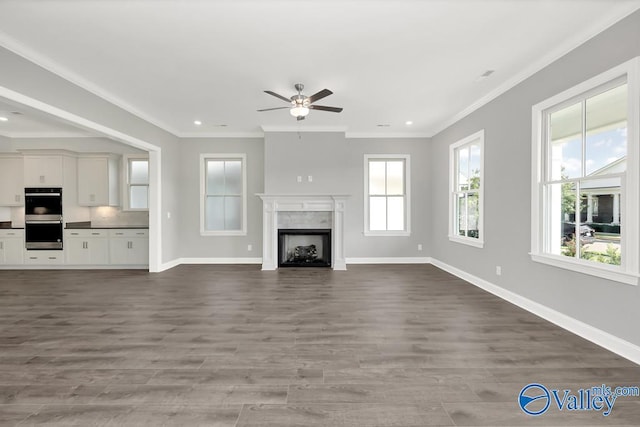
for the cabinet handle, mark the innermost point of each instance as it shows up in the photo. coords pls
(95, 234)
(119, 234)
(75, 234)
(1, 245)
(33, 257)
(130, 245)
(41, 179)
(140, 234)
(11, 234)
(52, 257)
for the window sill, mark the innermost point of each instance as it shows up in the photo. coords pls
(224, 233)
(476, 243)
(387, 233)
(587, 268)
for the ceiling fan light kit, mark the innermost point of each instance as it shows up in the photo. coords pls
(301, 104)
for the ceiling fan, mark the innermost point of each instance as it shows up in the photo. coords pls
(301, 104)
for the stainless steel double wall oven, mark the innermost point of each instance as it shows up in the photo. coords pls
(43, 218)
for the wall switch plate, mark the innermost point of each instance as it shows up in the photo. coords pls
(299, 178)
(168, 215)
(310, 178)
(419, 246)
(498, 270)
(249, 247)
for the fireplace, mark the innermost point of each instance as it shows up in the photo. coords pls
(304, 248)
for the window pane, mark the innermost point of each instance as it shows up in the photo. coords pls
(232, 213)
(461, 214)
(377, 176)
(606, 141)
(463, 169)
(473, 215)
(395, 177)
(566, 142)
(139, 172)
(214, 213)
(233, 177)
(215, 177)
(395, 215)
(377, 213)
(600, 231)
(561, 221)
(139, 197)
(474, 167)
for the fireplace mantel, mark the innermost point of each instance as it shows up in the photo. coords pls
(274, 203)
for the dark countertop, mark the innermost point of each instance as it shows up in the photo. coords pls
(6, 225)
(86, 225)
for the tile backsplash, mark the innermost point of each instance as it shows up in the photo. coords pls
(111, 216)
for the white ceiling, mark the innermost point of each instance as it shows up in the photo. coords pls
(172, 62)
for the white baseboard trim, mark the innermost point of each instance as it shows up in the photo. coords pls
(597, 336)
(168, 265)
(220, 260)
(389, 260)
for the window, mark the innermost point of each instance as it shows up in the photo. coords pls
(387, 195)
(137, 181)
(585, 181)
(466, 166)
(223, 194)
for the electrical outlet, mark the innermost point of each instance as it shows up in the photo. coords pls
(498, 270)
(249, 247)
(168, 215)
(299, 178)
(310, 178)
(419, 246)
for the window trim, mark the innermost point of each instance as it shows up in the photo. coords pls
(127, 158)
(407, 195)
(471, 241)
(222, 156)
(628, 272)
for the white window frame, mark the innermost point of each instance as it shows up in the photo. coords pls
(475, 139)
(222, 156)
(126, 160)
(628, 271)
(407, 195)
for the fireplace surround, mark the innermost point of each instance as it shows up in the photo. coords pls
(298, 210)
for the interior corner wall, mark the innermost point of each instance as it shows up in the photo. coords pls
(609, 306)
(192, 244)
(336, 165)
(24, 77)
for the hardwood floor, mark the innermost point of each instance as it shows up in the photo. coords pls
(399, 345)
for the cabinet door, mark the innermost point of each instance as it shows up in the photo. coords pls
(138, 250)
(12, 179)
(119, 250)
(93, 181)
(77, 251)
(98, 251)
(11, 251)
(43, 171)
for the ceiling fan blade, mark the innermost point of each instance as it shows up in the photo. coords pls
(276, 108)
(325, 108)
(277, 96)
(317, 96)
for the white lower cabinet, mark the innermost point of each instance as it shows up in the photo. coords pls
(129, 247)
(11, 247)
(86, 247)
(46, 257)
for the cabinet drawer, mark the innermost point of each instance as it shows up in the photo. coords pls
(85, 233)
(44, 257)
(129, 232)
(12, 233)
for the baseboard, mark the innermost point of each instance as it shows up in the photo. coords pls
(389, 260)
(168, 265)
(220, 260)
(597, 336)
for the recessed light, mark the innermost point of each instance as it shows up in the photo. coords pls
(408, 123)
(3, 119)
(197, 122)
(484, 75)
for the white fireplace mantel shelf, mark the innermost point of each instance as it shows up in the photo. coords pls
(274, 203)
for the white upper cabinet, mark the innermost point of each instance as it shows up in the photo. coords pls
(43, 171)
(11, 181)
(98, 181)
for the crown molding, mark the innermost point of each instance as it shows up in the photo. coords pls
(268, 128)
(382, 135)
(36, 135)
(66, 74)
(221, 135)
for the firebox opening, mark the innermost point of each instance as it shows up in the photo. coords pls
(304, 248)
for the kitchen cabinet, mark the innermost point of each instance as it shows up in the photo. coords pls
(11, 247)
(43, 171)
(37, 257)
(11, 181)
(86, 247)
(129, 247)
(98, 181)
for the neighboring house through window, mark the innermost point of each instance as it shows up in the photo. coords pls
(223, 194)
(466, 181)
(387, 201)
(585, 183)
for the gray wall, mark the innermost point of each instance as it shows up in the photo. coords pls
(610, 306)
(192, 244)
(337, 166)
(27, 78)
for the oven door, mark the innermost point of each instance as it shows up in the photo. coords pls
(43, 234)
(42, 203)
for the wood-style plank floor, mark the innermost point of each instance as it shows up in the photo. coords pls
(403, 345)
